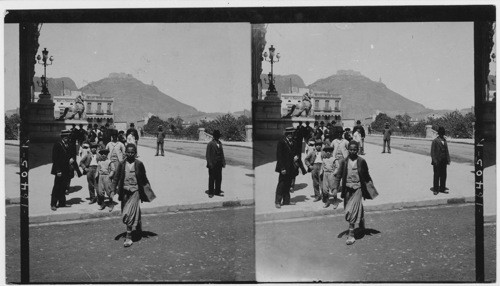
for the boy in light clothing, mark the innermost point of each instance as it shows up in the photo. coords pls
(330, 182)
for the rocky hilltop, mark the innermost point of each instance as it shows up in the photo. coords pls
(361, 97)
(134, 99)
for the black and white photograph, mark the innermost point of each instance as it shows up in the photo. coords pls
(250, 142)
(364, 152)
(140, 153)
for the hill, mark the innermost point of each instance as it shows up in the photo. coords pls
(55, 85)
(134, 99)
(283, 83)
(362, 97)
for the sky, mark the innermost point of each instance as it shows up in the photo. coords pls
(205, 65)
(430, 63)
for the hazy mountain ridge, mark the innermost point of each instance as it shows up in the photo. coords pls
(134, 99)
(361, 96)
(55, 85)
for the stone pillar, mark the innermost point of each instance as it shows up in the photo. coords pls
(248, 132)
(268, 122)
(201, 134)
(429, 133)
(258, 45)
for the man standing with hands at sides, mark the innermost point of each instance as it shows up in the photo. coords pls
(440, 159)
(128, 181)
(286, 167)
(387, 137)
(215, 163)
(62, 158)
(160, 139)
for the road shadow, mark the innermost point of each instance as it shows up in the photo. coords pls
(299, 199)
(300, 186)
(74, 201)
(74, 189)
(136, 236)
(359, 233)
(40, 154)
(264, 152)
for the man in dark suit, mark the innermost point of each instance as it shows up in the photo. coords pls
(215, 163)
(440, 159)
(353, 171)
(62, 159)
(286, 166)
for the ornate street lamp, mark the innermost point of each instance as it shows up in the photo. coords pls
(271, 58)
(45, 95)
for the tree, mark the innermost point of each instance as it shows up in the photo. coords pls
(152, 126)
(380, 121)
(11, 129)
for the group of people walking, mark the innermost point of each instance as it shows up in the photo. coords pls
(113, 169)
(110, 165)
(334, 166)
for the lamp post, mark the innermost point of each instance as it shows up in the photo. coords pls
(271, 93)
(42, 60)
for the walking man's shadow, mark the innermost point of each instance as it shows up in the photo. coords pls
(137, 236)
(359, 233)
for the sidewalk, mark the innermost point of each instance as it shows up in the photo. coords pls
(179, 183)
(403, 180)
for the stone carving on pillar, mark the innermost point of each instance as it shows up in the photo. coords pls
(258, 45)
(266, 113)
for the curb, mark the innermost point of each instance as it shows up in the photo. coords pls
(12, 201)
(265, 217)
(156, 210)
(225, 143)
(450, 140)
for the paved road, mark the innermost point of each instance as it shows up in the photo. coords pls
(460, 153)
(419, 245)
(211, 246)
(236, 156)
(12, 244)
(11, 155)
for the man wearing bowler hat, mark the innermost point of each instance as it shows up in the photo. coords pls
(215, 163)
(61, 160)
(286, 166)
(440, 159)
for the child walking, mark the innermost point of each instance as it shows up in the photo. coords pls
(314, 162)
(105, 171)
(330, 182)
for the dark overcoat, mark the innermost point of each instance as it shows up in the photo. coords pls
(284, 157)
(61, 154)
(215, 153)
